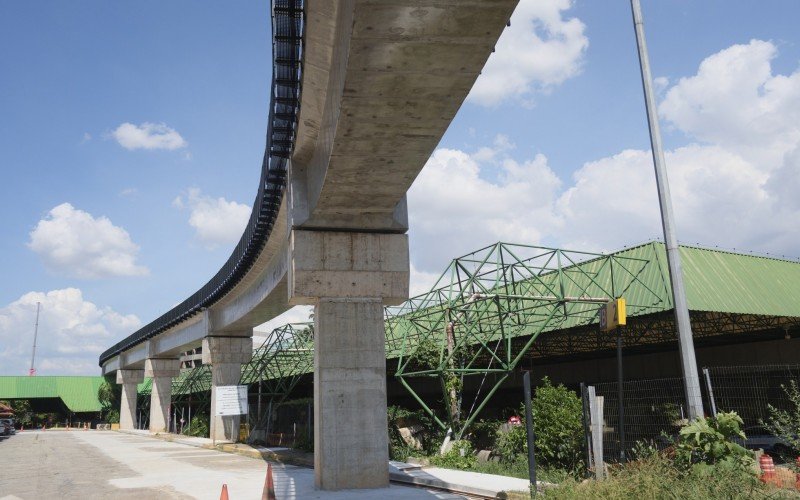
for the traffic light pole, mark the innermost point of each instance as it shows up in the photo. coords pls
(691, 379)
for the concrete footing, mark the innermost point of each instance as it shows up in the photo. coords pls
(162, 372)
(129, 379)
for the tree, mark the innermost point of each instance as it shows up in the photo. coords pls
(109, 395)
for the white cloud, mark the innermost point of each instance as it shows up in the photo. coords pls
(297, 314)
(539, 50)
(72, 333)
(737, 187)
(73, 242)
(613, 200)
(422, 281)
(460, 202)
(216, 221)
(148, 136)
(735, 101)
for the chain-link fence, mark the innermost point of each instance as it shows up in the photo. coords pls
(288, 424)
(654, 410)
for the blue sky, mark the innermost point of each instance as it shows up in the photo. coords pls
(548, 155)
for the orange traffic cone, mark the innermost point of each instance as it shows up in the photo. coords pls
(767, 470)
(269, 486)
(797, 475)
(224, 494)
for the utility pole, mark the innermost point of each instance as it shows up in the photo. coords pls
(32, 371)
(691, 379)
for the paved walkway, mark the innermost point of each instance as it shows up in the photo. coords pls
(472, 483)
(96, 464)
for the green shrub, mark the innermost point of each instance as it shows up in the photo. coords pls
(557, 426)
(303, 442)
(112, 416)
(708, 441)
(786, 424)
(198, 427)
(460, 456)
(397, 417)
(659, 477)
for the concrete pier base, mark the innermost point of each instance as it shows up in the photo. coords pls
(129, 379)
(349, 277)
(226, 356)
(162, 372)
(350, 439)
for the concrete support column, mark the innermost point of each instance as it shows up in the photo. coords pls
(129, 379)
(350, 439)
(162, 372)
(226, 356)
(349, 277)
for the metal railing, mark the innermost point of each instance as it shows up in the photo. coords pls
(287, 54)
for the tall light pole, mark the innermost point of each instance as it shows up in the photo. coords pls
(32, 371)
(691, 379)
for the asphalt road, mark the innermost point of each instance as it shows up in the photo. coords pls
(110, 465)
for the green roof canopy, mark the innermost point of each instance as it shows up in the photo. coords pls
(79, 394)
(727, 282)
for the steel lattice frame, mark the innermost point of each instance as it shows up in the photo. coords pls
(467, 325)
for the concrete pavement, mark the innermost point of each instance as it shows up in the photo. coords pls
(458, 481)
(95, 464)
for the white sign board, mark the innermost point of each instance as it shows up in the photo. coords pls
(231, 400)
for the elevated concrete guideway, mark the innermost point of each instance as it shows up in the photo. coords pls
(381, 81)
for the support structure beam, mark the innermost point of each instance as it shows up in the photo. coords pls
(226, 355)
(129, 379)
(349, 277)
(162, 372)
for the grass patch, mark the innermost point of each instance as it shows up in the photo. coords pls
(658, 477)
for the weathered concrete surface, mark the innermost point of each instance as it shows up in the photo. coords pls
(51, 465)
(226, 356)
(350, 439)
(162, 372)
(129, 379)
(348, 265)
(381, 83)
(111, 465)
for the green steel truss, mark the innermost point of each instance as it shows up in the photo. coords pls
(469, 324)
(286, 354)
(504, 304)
(277, 365)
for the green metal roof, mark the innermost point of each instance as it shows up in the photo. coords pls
(79, 394)
(727, 282)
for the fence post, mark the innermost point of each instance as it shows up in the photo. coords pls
(596, 412)
(620, 400)
(587, 445)
(309, 425)
(269, 421)
(710, 392)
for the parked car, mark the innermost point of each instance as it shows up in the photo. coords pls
(7, 427)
